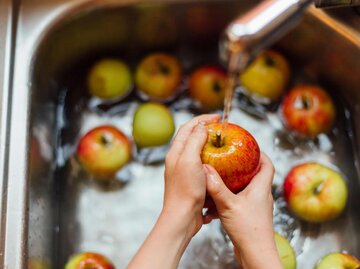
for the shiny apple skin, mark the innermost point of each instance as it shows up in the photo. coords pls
(237, 160)
(88, 260)
(267, 76)
(325, 204)
(158, 76)
(338, 261)
(207, 85)
(104, 159)
(285, 251)
(310, 122)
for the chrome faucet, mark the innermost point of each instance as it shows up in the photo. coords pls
(262, 26)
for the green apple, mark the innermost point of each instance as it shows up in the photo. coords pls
(153, 125)
(286, 252)
(109, 78)
(314, 192)
(338, 261)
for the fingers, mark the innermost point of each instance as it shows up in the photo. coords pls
(182, 135)
(263, 179)
(222, 196)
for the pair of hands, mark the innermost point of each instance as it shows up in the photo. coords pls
(247, 217)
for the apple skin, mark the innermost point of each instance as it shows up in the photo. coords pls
(109, 78)
(207, 85)
(338, 261)
(308, 111)
(89, 260)
(267, 76)
(237, 160)
(158, 76)
(286, 252)
(104, 150)
(314, 192)
(146, 117)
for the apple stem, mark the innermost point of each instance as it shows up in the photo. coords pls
(319, 188)
(305, 102)
(218, 140)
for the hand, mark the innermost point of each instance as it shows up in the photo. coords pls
(247, 217)
(185, 178)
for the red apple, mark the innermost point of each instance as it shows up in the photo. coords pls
(104, 150)
(89, 260)
(338, 261)
(308, 110)
(158, 76)
(314, 192)
(234, 153)
(207, 85)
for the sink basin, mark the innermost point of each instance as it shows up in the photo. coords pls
(51, 209)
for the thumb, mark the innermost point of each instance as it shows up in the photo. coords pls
(222, 196)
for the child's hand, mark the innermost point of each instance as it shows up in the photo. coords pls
(185, 178)
(247, 217)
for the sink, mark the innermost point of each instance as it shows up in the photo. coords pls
(49, 212)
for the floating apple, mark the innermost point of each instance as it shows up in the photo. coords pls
(308, 110)
(286, 252)
(109, 78)
(153, 125)
(158, 76)
(315, 192)
(207, 85)
(89, 260)
(338, 261)
(267, 76)
(233, 152)
(103, 151)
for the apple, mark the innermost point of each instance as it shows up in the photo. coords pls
(286, 252)
(233, 152)
(104, 150)
(109, 78)
(207, 85)
(158, 76)
(267, 76)
(314, 192)
(37, 263)
(87, 260)
(338, 261)
(153, 125)
(308, 110)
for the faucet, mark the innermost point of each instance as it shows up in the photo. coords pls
(263, 25)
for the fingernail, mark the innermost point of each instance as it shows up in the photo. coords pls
(201, 123)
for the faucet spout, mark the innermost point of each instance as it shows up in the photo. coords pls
(257, 29)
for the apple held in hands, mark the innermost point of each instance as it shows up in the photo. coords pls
(109, 78)
(158, 76)
(103, 151)
(207, 85)
(267, 76)
(315, 193)
(338, 261)
(153, 125)
(286, 252)
(88, 260)
(234, 153)
(308, 111)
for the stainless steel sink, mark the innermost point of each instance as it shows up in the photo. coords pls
(44, 211)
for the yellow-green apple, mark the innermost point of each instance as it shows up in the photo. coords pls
(153, 125)
(104, 150)
(314, 192)
(267, 76)
(233, 152)
(286, 252)
(109, 78)
(158, 76)
(308, 110)
(207, 85)
(89, 260)
(338, 260)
